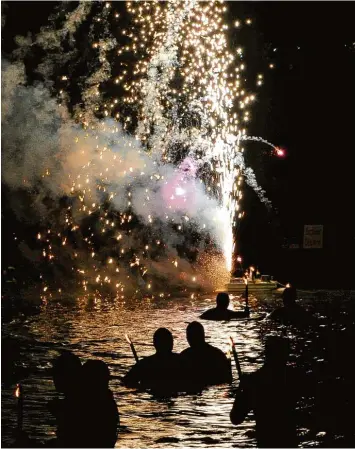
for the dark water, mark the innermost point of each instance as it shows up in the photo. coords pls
(97, 330)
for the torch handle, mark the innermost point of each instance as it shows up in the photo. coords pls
(236, 359)
(237, 364)
(134, 352)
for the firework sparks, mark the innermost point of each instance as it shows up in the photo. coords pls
(181, 172)
(201, 116)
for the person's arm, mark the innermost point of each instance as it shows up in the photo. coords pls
(240, 314)
(208, 315)
(133, 378)
(242, 405)
(228, 370)
(225, 371)
(275, 315)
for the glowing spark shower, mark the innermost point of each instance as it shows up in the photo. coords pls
(204, 116)
(146, 186)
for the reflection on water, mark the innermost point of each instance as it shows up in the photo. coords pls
(97, 330)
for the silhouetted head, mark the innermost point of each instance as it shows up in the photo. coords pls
(195, 334)
(163, 340)
(222, 300)
(96, 375)
(289, 296)
(277, 351)
(66, 372)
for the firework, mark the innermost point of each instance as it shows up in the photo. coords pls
(152, 181)
(186, 45)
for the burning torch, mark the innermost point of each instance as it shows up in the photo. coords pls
(133, 349)
(246, 294)
(252, 273)
(19, 396)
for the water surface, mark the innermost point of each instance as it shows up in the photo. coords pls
(97, 330)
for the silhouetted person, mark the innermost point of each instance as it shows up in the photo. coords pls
(66, 372)
(100, 418)
(160, 372)
(203, 364)
(239, 273)
(270, 394)
(221, 312)
(291, 312)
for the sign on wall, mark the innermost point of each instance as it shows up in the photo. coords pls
(313, 236)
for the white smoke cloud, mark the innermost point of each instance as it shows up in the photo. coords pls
(48, 155)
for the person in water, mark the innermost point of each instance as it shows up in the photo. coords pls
(202, 363)
(270, 394)
(221, 311)
(67, 372)
(99, 419)
(87, 416)
(160, 372)
(291, 313)
(239, 273)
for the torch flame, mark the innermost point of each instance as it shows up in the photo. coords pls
(18, 390)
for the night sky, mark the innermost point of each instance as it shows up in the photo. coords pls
(305, 106)
(308, 105)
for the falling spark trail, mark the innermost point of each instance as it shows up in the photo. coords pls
(257, 139)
